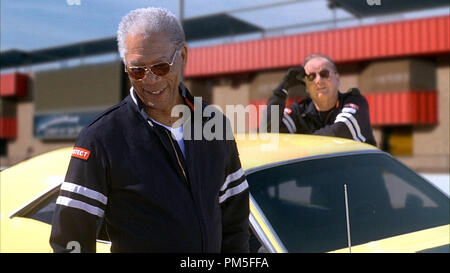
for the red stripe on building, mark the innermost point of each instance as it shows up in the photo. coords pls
(12, 85)
(403, 108)
(387, 109)
(404, 38)
(255, 118)
(8, 128)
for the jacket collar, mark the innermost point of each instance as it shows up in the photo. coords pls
(184, 92)
(310, 108)
(186, 95)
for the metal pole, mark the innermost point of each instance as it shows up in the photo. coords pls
(347, 216)
(181, 10)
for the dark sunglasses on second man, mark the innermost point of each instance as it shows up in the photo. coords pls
(324, 74)
(159, 69)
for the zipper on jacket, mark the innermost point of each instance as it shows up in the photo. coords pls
(204, 245)
(176, 154)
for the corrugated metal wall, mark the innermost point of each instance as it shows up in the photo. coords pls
(403, 108)
(13, 84)
(8, 127)
(412, 37)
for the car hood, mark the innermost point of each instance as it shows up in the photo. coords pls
(428, 240)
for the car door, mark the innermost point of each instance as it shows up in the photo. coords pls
(36, 218)
(307, 203)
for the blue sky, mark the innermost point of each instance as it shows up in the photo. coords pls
(34, 24)
(30, 24)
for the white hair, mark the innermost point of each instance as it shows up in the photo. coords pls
(146, 21)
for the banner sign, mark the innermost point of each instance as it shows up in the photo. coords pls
(62, 125)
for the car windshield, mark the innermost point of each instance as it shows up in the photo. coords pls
(304, 201)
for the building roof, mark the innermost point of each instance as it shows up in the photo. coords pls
(198, 28)
(365, 8)
(13, 58)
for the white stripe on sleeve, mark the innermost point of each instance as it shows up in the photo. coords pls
(355, 124)
(68, 202)
(349, 125)
(348, 110)
(233, 191)
(291, 121)
(288, 126)
(232, 177)
(67, 186)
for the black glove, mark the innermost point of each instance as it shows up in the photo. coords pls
(294, 77)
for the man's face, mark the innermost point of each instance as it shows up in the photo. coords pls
(322, 90)
(156, 92)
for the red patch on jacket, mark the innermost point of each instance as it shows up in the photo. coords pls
(352, 105)
(288, 111)
(80, 153)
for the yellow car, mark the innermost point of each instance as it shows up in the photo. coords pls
(308, 194)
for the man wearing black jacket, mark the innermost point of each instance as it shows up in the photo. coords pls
(133, 170)
(325, 111)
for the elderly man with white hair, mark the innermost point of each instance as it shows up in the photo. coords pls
(133, 170)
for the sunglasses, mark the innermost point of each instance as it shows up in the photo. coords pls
(324, 74)
(160, 69)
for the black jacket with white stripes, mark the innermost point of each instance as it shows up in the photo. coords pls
(129, 173)
(348, 119)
